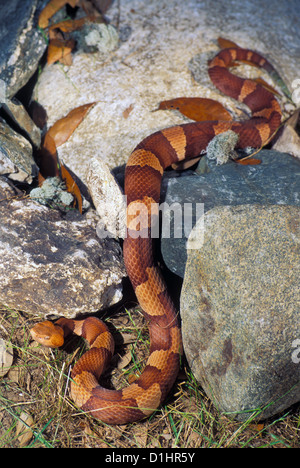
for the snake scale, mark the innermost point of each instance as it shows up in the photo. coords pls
(143, 177)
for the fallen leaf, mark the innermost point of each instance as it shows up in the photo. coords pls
(6, 357)
(58, 49)
(246, 62)
(48, 159)
(294, 119)
(198, 109)
(67, 60)
(51, 8)
(71, 186)
(64, 127)
(128, 338)
(125, 360)
(73, 25)
(266, 86)
(23, 429)
(248, 162)
(226, 43)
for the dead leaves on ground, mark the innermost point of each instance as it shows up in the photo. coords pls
(198, 109)
(59, 50)
(61, 44)
(58, 134)
(51, 8)
(63, 128)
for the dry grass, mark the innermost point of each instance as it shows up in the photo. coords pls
(37, 385)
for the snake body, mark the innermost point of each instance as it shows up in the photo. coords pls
(143, 177)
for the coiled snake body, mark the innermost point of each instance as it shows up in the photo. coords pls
(143, 177)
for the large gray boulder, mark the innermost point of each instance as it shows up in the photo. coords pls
(240, 309)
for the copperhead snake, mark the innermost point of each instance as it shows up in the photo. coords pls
(143, 177)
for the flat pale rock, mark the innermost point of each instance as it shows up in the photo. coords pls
(240, 309)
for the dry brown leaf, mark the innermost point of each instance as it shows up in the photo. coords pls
(6, 357)
(58, 134)
(226, 43)
(128, 338)
(73, 25)
(71, 186)
(23, 431)
(51, 8)
(125, 360)
(67, 60)
(246, 62)
(248, 162)
(63, 128)
(198, 109)
(266, 86)
(58, 49)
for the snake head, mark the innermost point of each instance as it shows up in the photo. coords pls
(48, 334)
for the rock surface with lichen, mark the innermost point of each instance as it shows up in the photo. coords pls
(54, 264)
(240, 309)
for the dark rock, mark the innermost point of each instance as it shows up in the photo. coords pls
(53, 265)
(16, 160)
(240, 309)
(17, 112)
(274, 181)
(21, 43)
